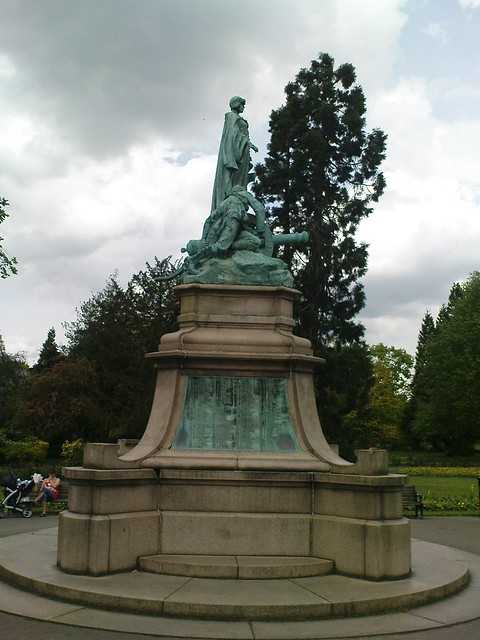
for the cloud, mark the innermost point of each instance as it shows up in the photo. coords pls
(436, 31)
(425, 232)
(111, 118)
(70, 232)
(111, 74)
(469, 4)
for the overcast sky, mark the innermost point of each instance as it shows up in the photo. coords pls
(111, 113)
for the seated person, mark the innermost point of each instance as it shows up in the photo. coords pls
(49, 491)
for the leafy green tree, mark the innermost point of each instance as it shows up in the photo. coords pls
(447, 418)
(378, 420)
(106, 334)
(7, 265)
(342, 390)
(100, 386)
(154, 302)
(63, 403)
(394, 365)
(322, 173)
(113, 331)
(13, 380)
(390, 392)
(49, 353)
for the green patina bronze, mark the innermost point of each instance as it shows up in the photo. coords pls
(237, 244)
(234, 163)
(236, 413)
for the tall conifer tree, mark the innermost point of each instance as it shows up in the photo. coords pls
(49, 353)
(448, 418)
(420, 385)
(446, 310)
(322, 173)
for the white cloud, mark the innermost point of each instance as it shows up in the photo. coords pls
(111, 117)
(7, 69)
(73, 230)
(469, 4)
(425, 232)
(436, 31)
(112, 74)
(111, 121)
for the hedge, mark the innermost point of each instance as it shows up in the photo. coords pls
(447, 472)
(450, 503)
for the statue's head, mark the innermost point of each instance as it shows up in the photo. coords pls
(237, 104)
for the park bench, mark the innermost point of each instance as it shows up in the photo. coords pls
(412, 501)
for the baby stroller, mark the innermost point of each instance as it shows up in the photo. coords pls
(16, 496)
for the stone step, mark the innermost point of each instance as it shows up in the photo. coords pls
(236, 567)
(28, 561)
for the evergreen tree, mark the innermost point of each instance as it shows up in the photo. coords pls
(419, 391)
(447, 416)
(322, 174)
(49, 353)
(446, 310)
(7, 265)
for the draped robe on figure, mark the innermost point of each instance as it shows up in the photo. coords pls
(233, 162)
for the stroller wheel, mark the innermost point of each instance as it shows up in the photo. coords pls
(26, 513)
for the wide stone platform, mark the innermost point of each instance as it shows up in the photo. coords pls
(233, 461)
(24, 609)
(117, 515)
(236, 567)
(29, 561)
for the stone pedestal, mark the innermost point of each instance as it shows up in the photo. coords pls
(233, 461)
(234, 386)
(119, 515)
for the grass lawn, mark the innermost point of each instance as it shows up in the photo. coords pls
(438, 486)
(446, 496)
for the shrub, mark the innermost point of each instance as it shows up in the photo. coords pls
(72, 452)
(431, 459)
(450, 503)
(446, 472)
(31, 450)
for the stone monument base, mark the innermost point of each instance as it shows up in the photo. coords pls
(181, 606)
(236, 567)
(118, 515)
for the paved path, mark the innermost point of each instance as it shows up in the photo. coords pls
(459, 532)
(10, 525)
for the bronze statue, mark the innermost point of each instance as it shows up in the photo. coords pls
(234, 163)
(237, 244)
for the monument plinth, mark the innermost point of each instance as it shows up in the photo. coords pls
(234, 386)
(233, 468)
(233, 476)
